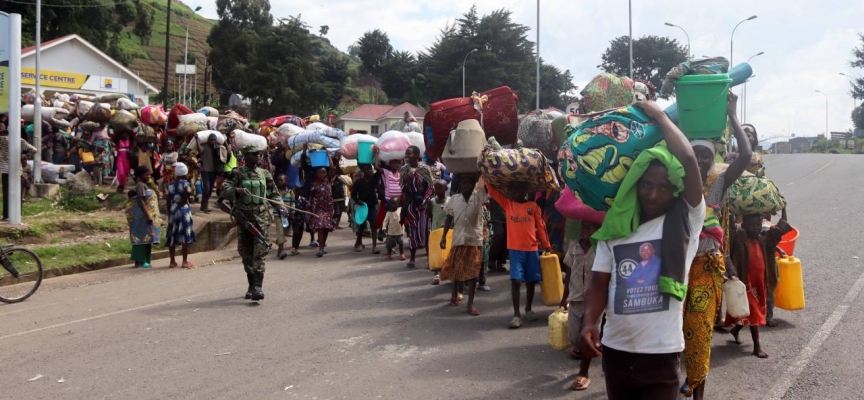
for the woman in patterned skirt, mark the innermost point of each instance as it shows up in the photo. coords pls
(181, 230)
(417, 181)
(321, 204)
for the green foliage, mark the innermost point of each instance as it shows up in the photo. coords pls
(653, 57)
(820, 145)
(858, 117)
(398, 73)
(374, 50)
(324, 29)
(857, 91)
(84, 203)
(83, 253)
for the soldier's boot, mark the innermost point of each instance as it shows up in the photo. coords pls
(251, 279)
(258, 281)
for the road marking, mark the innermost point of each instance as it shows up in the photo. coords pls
(812, 173)
(779, 390)
(110, 314)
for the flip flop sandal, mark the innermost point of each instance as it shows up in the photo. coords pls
(580, 383)
(173, 265)
(473, 311)
(358, 248)
(188, 265)
(436, 280)
(454, 302)
(319, 254)
(295, 252)
(283, 255)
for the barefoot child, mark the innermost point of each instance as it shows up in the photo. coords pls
(181, 230)
(393, 229)
(753, 256)
(438, 214)
(577, 263)
(525, 231)
(465, 216)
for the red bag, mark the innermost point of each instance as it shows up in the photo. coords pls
(499, 118)
(278, 121)
(173, 119)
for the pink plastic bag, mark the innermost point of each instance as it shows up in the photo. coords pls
(571, 207)
(392, 146)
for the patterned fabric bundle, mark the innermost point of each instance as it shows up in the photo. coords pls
(754, 195)
(190, 128)
(716, 65)
(603, 149)
(284, 119)
(535, 131)
(500, 167)
(123, 121)
(153, 115)
(230, 121)
(607, 91)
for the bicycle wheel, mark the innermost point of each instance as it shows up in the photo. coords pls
(29, 266)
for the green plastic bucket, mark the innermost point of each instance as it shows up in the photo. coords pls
(702, 101)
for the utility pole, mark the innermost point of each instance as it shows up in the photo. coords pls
(167, 42)
(37, 103)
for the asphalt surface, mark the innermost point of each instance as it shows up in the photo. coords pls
(353, 326)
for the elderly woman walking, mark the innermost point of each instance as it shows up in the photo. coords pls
(142, 212)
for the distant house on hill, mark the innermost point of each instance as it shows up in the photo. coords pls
(376, 119)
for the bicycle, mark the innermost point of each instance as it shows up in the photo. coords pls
(21, 274)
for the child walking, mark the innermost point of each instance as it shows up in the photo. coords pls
(465, 216)
(287, 197)
(437, 213)
(753, 257)
(526, 231)
(393, 229)
(181, 230)
(577, 278)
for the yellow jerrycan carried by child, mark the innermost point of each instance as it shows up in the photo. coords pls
(552, 286)
(558, 338)
(789, 294)
(437, 256)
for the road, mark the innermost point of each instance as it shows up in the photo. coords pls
(351, 326)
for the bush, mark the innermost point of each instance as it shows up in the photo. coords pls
(86, 203)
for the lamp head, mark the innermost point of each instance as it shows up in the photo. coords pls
(197, 8)
(668, 24)
(752, 18)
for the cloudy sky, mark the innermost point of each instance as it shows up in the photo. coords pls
(807, 43)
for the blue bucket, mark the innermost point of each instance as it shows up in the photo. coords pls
(364, 152)
(198, 188)
(319, 158)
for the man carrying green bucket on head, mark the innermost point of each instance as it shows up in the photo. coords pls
(251, 189)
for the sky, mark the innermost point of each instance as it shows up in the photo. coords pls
(807, 43)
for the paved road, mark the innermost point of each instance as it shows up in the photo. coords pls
(350, 326)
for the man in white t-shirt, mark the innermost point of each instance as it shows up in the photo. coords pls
(642, 296)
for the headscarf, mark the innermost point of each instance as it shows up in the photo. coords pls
(180, 169)
(608, 91)
(710, 146)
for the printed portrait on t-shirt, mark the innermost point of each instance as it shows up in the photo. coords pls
(637, 274)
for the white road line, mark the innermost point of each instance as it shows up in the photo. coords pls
(812, 173)
(779, 390)
(62, 324)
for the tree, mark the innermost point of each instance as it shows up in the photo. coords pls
(556, 87)
(324, 29)
(335, 75)
(857, 91)
(504, 57)
(374, 50)
(144, 22)
(398, 73)
(653, 57)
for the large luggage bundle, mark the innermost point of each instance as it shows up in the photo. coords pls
(153, 115)
(463, 147)
(392, 145)
(535, 131)
(603, 149)
(754, 195)
(328, 138)
(209, 111)
(123, 121)
(174, 117)
(284, 119)
(99, 112)
(501, 167)
(52, 115)
(495, 109)
(230, 121)
(348, 146)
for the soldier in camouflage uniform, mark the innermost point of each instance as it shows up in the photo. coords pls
(237, 188)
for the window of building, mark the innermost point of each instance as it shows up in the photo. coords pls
(374, 129)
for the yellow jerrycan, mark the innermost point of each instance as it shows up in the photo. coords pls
(436, 255)
(558, 338)
(789, 294)
(552, 286)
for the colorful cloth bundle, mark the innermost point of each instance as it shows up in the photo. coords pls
(608, 91)
(500, 167)
(603, 149)
(535, 131)
(716, 65)
(329, 138)
(755, 195)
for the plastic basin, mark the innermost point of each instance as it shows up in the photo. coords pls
(787, 242)
(319, 158)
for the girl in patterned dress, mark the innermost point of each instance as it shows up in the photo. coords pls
(181, 230)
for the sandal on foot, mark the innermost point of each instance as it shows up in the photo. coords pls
(295, 252)
(283, 254)
(402, 257)
(454, 301)
(358, 248)
(530, 316)
(188, 265)
(580, 383)
(473, 311)
(173, 265)
(515, 323)
(436, 280)
(319, 254)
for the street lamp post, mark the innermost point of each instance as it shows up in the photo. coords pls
(685, 34)
(854, 103)
(744, 104)
(630, 13)
(463, 70)
(538, 54)
(732, 40)
(186, 61)
(167, 42)
(827, 133)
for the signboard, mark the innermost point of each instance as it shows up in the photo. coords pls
(4, 63)
(184, 69)
(72, 80)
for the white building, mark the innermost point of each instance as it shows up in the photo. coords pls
(72, 65)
